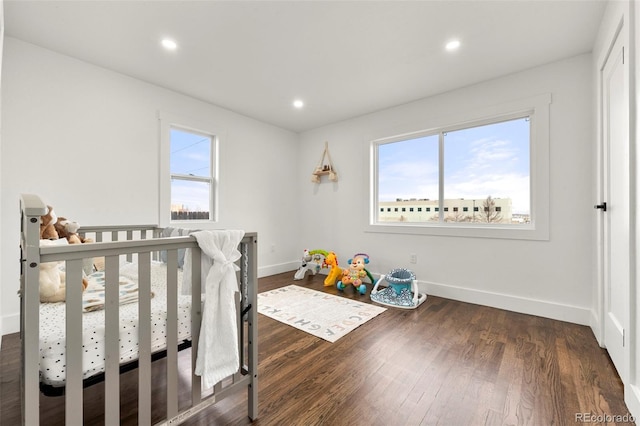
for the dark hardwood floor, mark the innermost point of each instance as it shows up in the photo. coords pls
(445, 363)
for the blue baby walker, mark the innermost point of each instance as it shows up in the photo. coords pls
(402, 291)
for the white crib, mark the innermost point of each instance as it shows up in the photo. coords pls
(141, 245)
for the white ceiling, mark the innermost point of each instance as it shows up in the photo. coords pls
(343, 58)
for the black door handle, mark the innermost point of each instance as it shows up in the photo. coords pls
(602, 206)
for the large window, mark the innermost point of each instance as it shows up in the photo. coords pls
(484, 177)
(188, 172)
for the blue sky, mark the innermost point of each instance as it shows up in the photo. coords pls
(481, 161)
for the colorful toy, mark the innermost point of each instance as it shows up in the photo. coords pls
(402, 291)
(331, 261)
(311, 261)
(356, 273)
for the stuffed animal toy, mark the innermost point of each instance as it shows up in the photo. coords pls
(355, 273)
(52, 278)
(69, 230)
(53, 227)
(52, 282)
(47, 225)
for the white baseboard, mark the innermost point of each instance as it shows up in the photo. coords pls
(596, 328)
(265, 271)
(542, 308)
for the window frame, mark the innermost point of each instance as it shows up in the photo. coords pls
(168, 122)
(538, 108)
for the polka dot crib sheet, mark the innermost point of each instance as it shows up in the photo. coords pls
(52, 328)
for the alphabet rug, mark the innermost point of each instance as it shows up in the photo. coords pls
(320, 314)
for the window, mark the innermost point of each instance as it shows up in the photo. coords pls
(487, 165)
(496, 169)
(191, 182)
(188, 172)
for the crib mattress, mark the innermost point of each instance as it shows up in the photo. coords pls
(52, 329)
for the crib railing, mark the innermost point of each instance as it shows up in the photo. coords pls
(143, 249)
(121, 232)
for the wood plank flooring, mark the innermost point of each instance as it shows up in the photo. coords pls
(445, 363)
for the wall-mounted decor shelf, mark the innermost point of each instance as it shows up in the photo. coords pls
(324, 168)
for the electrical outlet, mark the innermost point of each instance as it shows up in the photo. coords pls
(413, 258)
(273, 248)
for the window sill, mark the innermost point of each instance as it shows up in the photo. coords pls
(511, 232)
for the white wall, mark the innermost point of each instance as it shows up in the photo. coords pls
(1, 57)
(632, 392)
(86, 140)
(549, 278)
(632, 395)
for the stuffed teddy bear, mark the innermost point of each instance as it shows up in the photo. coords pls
(47, 225)
(52, 282)
(53, 227)
(355, 273)
(52, 278)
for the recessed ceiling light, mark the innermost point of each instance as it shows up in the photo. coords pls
(452, 45)
(298, 103)
(169, 44)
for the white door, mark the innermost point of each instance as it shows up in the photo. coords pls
(616, 188)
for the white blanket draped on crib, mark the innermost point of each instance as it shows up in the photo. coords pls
(218, 354)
